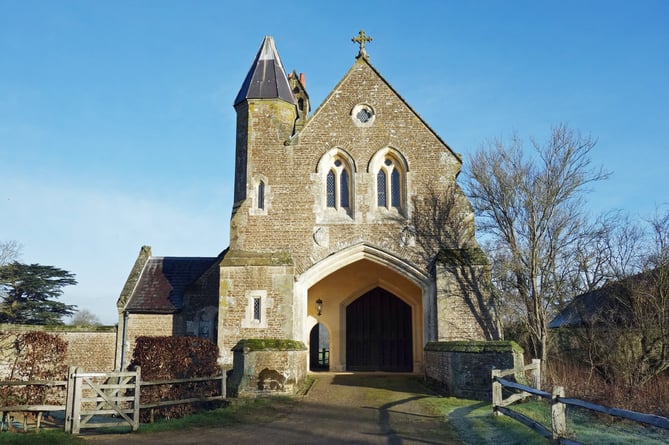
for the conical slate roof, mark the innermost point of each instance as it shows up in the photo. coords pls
(266, 78)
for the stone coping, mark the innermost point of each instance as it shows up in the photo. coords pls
(474, 346)
(269, 344)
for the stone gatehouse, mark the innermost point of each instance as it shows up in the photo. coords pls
(319, 252)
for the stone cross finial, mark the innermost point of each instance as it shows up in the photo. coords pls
(361, 40)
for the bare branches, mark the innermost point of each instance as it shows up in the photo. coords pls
(9, 251)
(532, 208)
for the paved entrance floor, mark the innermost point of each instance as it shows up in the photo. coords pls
(338, 409)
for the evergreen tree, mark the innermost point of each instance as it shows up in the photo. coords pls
(28, 294)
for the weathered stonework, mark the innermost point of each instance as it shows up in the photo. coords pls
(463, 369)
(297, 219)
(269, 367)
(321, 213)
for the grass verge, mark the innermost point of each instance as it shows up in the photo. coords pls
(475, 424)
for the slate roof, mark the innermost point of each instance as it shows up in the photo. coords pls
(266, 79)
(585, 308)
(163, 281)
(603, 305)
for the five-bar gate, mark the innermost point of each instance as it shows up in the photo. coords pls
(101, 399)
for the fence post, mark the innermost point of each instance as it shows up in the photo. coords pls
(536, 373)
(496, 392)
(558, 419)
(136, 403)
(69, 398)
(224, 385)
(76, 400)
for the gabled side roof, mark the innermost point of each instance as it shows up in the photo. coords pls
(587, 308)
(606, 304)
(365, 61)
(160, 287)
(266, 79)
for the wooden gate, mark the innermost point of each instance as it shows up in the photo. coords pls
(101, 399)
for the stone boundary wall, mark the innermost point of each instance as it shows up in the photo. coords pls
(267, 367)
(92, 348)
(463, 368)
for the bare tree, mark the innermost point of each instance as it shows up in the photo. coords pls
(84, 317)
(608, 250)
(619, 323)
(530, 205)
(9, 251)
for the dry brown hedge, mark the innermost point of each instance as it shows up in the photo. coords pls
(166, 358)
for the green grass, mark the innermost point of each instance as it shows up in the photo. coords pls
(51, 437)
(259, 410)
(472, 420)
(243, 411)
(475, 424)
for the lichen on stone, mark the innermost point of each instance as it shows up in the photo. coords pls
(474, 346)
(269, 344)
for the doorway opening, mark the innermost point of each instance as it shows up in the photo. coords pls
(319, 348)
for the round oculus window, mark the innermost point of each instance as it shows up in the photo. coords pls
(363, 115)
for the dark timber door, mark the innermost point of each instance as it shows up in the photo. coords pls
(378, 333)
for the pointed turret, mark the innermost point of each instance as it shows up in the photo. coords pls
(266, 78)
(267, 112)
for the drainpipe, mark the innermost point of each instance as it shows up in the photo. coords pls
(124, 339)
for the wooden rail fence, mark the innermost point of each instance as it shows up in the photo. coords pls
(101, 399)
(558, 428)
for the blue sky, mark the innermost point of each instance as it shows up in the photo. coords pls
(117, 126)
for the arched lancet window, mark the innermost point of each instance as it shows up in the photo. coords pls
(261, 195)
(343, 188)
(331, 189)
(382, 199)
(395, 194)
(337, 186)
(389, 184)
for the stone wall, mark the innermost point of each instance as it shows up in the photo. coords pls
(92, 348)
(267, 367)
(465, 309)
(463, 369)
(138, 325)
(267, 277)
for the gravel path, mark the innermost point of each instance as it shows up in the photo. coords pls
(338, 409)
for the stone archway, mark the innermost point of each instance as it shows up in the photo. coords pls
(379, 334)
(345, 276)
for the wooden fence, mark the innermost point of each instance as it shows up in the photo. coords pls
(558, 428)
(100, 399)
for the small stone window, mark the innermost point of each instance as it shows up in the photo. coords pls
(204, 326)
(257, 301)
(261, 195)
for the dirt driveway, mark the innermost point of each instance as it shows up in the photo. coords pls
(338, 409)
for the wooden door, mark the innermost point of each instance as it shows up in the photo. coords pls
(378, 333)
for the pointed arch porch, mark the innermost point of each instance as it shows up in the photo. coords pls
(343, 277)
